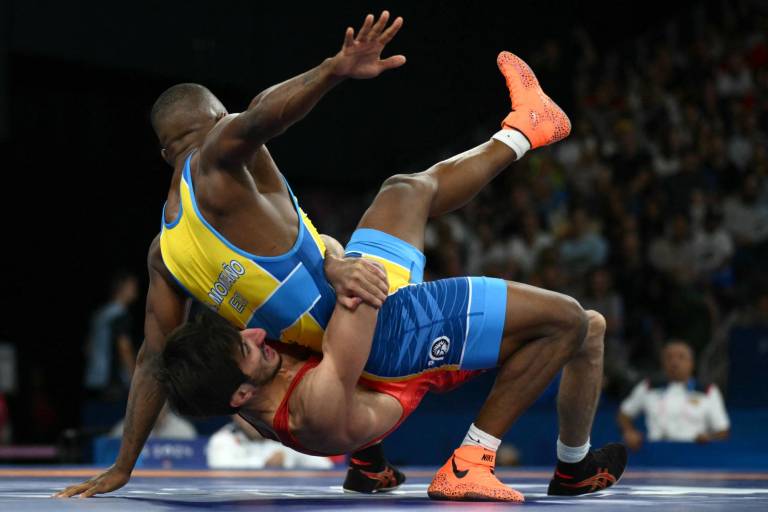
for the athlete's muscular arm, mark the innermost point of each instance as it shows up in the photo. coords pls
(347, 342)
(164, 312)
(354, 279)
(235, 139)
(327, 396)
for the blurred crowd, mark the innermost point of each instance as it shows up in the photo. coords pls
(655, 210)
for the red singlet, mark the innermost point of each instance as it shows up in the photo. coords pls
(409, 392)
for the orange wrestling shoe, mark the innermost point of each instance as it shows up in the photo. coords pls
(533, 112)
(469, 476)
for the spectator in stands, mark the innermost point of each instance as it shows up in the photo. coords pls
(725, 173)
(672, 253)
(712, 250)
(239, 445)
(666, 153)
(683, 187)
(631, 157)
(746, 216)
(527, 246)
(548, 189)
(583, 247)
(741, 145)
(734, 78)
(579, 152)
(110, 352)
(676, 408)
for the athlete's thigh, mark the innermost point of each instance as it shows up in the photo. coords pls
(401, 208)
(533, 313)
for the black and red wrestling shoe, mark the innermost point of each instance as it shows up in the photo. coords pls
(599, 470)
(369, 472)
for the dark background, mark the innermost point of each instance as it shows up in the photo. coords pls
(83, 183)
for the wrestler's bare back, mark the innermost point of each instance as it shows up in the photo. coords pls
(250, 206)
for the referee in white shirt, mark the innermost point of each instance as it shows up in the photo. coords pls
(675, 409)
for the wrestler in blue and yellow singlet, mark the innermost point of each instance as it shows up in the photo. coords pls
(286, 295)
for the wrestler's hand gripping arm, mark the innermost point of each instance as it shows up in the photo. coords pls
(354, 279)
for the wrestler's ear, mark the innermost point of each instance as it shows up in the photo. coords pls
(242, 395)
(164, 154)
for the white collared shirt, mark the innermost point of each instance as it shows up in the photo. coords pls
(676, 411)
(230, 448)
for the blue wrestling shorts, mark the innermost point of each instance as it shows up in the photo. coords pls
(403, 262)
(450, 324)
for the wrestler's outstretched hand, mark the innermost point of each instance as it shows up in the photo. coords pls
(110, 480)
(360, 56)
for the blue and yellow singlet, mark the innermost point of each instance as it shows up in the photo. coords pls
(286, 295)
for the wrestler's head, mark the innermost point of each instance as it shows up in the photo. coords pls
(182, 116)
(210, 368)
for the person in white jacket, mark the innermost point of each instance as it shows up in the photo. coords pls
(238, 445)
(677, 408)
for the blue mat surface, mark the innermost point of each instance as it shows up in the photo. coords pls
(28, 489)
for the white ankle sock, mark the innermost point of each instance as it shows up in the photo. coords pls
(476, 437)
(570, 454)
(514, 139)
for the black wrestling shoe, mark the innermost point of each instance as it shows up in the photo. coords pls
(599, 470)
(370, 472)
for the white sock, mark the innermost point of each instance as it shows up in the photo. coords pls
(570, 454)
(514, 139)
(476, 437)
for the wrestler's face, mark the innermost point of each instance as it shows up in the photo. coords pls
(258, 361)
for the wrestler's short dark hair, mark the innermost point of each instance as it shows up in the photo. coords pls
(198, 368)
(176, 96)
